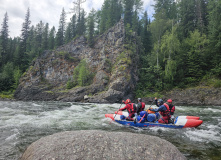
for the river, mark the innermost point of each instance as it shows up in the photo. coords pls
(22, 123)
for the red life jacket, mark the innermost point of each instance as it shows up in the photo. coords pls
(172, 109)
(143, 106)
(131, 108)
(166, 112)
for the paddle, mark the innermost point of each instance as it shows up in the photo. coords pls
(118, 109)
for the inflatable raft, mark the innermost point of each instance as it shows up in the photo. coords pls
(151, 120)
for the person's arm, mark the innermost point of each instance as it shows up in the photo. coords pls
(161, 108)
(122, 109)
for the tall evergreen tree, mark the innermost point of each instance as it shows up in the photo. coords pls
(52, 38)
(91, 24)
(73, 26)
(61, 30)
(68, 35)
(45, 37)
(146, 35)
(4, 40)
(81, 27)
(104, 16)
(22, 60)
(128, 11)
(39, 37)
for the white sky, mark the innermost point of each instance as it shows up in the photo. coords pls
(48, 11)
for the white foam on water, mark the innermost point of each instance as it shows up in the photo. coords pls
(203, 135)
(36, 105)
(213, 110)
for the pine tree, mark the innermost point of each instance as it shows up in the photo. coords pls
(39, 37)
(45, 37)
(91, 25)
(22, 55)
(81, 27)
(4, 40)
(68, 35)
(61, 30)
(146, 35)
(73, 26)
(128, 11)
(52, 38)
(104, 16)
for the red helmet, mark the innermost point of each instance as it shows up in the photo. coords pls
(169, 100)
(128, 101)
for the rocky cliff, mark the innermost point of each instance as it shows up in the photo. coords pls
(112, 63)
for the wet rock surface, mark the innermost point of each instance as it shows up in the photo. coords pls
(88, 145)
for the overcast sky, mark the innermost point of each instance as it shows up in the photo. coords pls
(48, 11)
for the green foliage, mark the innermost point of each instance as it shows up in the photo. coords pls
(60, 36)
(6, 77)
(110, 14)
(195, 44)
(82, 76)
(70, 84)
(7, 94)
(91, 26)
(17, 75)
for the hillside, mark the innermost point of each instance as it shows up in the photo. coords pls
(111, 63)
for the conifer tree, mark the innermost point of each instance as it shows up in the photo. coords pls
(45, 37)
(68, 35)
(128, 11)
(104, 16)
(146, 35)
(73, 26)
(61, 30)
(81, 27)
(4, 40)
(91, 25)
(22, 55)
(52, 38)
(39, 37)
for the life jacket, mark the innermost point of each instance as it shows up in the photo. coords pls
(132, 108)
(166, 112)
(172, 109)
(143, 106)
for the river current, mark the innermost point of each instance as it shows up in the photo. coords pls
(22, 123)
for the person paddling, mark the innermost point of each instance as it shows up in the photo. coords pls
(163, 110)
(140, 106)
(131, 108)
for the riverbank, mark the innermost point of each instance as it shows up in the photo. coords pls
(201, 95)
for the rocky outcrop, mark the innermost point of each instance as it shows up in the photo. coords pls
(112, 63)
(89, 145)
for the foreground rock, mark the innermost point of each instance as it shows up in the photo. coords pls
(87, 145)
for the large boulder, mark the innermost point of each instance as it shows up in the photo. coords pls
(88, 145)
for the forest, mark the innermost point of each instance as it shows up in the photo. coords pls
(179, 48)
